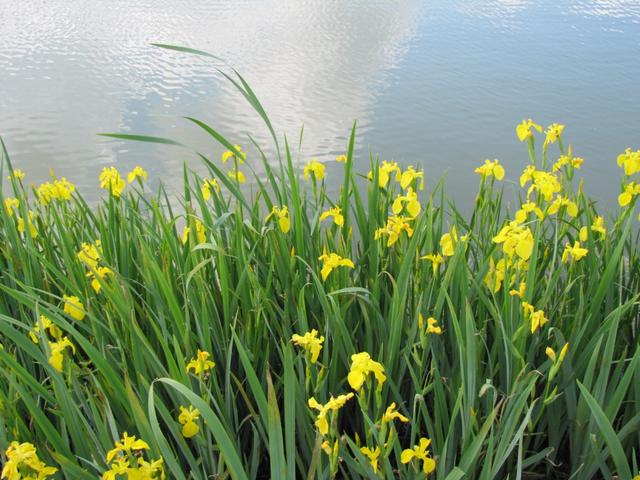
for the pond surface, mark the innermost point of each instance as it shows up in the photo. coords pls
(440, 83)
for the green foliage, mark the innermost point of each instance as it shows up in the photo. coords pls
(483, 390)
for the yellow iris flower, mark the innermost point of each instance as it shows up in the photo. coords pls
(629, 161)
(391, 414)
(490, 168)
(315, 168)
(575, 252)
(11, 203)
(333, 405)
(536, 317)
(112, 181)
(201, 363)
(409, 202)
(188, 418)
(409, 176)
(73, 307)
(57, 352)
(236, 154)
(361, 366)
(516, 239)
(90, 253)
(310, 342)
(436, 260)
(336, 213)
(525, 129)
(207, 186)
(372, 455)
(137, 173)
(282, 214)
(393, 229)
(22, 462)
(331, 261)
(420, 452)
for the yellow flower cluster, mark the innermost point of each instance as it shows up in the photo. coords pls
(568, 160)
(112, 181)
(33, 231)
(23, 463)
(553, 134)
(44, 324)
(515, 239)
(17, 175)
(57, 347)
(536, 317)
(597, 226)
(56, 190)
(394, 228)
(409, 201)
(544, 182)
(630, 162)
(405, 207)
(10, 204)
(126, 460)
(90, 255)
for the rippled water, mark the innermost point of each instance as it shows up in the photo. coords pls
(442, 83)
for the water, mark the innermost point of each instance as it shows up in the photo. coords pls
(441, 83)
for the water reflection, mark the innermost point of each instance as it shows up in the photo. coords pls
(442, 82)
